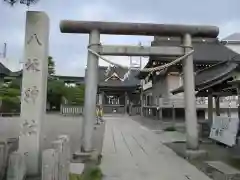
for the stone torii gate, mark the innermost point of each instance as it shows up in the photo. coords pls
(95, 28)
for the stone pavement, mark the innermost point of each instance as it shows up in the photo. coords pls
(132, 152)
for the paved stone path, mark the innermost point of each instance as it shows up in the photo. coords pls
(132, 152)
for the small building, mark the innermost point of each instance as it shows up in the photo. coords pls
(4, 71)
(158, 101)
(118, 93)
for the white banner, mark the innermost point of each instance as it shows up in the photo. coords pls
(147, 85)
(224, 130)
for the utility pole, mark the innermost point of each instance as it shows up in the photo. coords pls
(4, 52)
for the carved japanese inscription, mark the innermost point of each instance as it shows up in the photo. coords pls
(30, 94)
(34, 37)
(34, 88)
(29, 127)
(32, 65)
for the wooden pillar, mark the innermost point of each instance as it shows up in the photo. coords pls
(161, 113)
(238, 94)
(217, 105)
(126, 102)
(210, 107)
(173, 115)
(103, 98)
(141, 101)
(160, 108)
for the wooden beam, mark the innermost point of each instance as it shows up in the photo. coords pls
(220, 94)
(114, 50)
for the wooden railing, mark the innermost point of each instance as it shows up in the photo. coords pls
(200, 102)
(9, 114)
(179, 102)
(71, 110)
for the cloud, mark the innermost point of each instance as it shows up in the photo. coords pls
(70, 51)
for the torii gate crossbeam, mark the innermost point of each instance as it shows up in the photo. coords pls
(95, 28)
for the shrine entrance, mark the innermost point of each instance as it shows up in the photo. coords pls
(116, 92)
(96, 51)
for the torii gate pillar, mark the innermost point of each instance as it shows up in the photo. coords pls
(94, 29)
(91, 79)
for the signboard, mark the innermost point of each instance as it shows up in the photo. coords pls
(224, 130)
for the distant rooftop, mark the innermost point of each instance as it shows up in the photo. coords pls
(235, 37)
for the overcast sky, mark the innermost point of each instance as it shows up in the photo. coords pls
(69, 51)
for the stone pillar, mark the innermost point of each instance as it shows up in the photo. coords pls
(189, 95)
(210, 108)
(90, 92)
(217, 106)
(34, 89)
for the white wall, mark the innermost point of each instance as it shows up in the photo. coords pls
(174, 82)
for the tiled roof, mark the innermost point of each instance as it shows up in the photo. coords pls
(211, 76)
(128, 82)
(4, 70)
(232, 37)
(205, 50)
(210, 51)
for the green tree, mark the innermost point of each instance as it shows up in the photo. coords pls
(51, 65)
(75, 95)
(26, 2)
(9, 99)
(55, 91)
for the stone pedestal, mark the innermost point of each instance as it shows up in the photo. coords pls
(50, 164)
(196, 154)
(34, 88)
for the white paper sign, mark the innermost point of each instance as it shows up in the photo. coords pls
(224, 130)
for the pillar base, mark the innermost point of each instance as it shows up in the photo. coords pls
(196, 154)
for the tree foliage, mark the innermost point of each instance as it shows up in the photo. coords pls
(9, 99)
(75, 95)
(51, 65)
(26, 2)
(56, 91)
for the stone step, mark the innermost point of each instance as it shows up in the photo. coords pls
(218, 170)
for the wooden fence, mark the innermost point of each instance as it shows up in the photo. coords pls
(71, 110)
